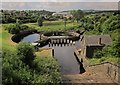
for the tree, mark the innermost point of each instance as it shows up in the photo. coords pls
(40, 21)
(12, 29)
(65, 20)
(14, 70)
(26, 52)
(116, 45)
(77, 14)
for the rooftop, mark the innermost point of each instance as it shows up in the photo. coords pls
(97, 40)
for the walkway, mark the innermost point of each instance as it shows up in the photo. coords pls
(87, 77)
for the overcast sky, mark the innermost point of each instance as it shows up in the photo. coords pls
(55, 5)
(60, 0)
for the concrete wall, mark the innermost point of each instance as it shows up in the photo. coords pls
(108, 68)
(90, 50)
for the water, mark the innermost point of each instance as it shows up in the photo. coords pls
(63, 53)
(31, 38)
(66, 59)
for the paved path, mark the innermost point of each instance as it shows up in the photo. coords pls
(87, 77)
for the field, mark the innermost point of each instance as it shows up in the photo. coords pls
(54, 26)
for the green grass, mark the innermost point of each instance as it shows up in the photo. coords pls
(5, 39)
(53, 26)
(104, 59)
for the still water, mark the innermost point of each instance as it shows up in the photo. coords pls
(31, 38)
(66, 59)
(63, 53)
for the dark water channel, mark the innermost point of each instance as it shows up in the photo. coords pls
(66, 59)
(63, 53)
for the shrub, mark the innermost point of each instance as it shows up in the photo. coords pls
(26, 53)
(24, 27)
(14, 70)
(98, 54)
(12, 29)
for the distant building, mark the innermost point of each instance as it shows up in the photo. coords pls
(90, 43)
(63, 14)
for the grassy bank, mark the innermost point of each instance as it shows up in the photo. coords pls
(6, 41)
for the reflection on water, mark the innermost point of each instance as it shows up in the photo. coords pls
(31, 38)
(66, 59)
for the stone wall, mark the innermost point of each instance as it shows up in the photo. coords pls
(112, 70)
(107, 68)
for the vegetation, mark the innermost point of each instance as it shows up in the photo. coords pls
(21, 65)
(40, 21)
(26, 53)
(77, 14)
(105, 26)
(25, 16)
(6, 40)
(16, 28)
(58, 25)
(16, 68)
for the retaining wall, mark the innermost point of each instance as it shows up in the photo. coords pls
(109, 68)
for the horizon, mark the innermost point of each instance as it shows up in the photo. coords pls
(60, 6)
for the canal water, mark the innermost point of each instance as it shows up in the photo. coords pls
(66, 59)
(63, 53)
(31, 38)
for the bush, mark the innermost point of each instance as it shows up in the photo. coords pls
(48, 67)
(114, 25)
(98, 54)
(14, 70)
(16, 28)
(12, 29)
(26, 52)
(24, 27)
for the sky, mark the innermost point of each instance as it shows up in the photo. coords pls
(59, 5)
(60, 0)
